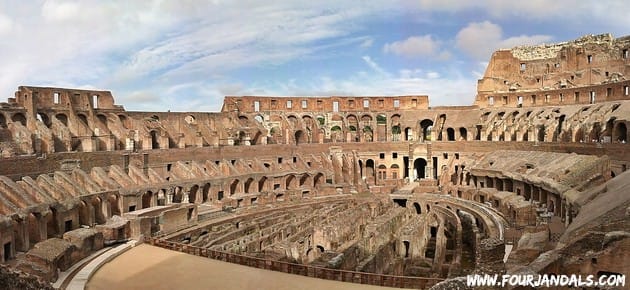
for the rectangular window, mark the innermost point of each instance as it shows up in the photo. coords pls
(304, 104)
(534, 99)
(547, 98)
(274, 103)
(381, 103)
(577, 97)
(56, 98)
(95, 101)
(414, 102)
(366, 103)
(335, 106)
(589, 58)
(523, 66)
(351, 103)
(320, 104)
(289, 104)
(381, 155)
(394, 155)
(625, 53)
(592, 100)
(256, 106)
(626, 90)
(561, 98)
(519, 100)
(490, 100)
(505, 100)
(396, 103)
(609, 92)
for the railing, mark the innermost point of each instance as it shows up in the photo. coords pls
(304, 270)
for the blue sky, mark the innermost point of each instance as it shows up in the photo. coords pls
(187, 55)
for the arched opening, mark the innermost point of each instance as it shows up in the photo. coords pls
(408, 134)
(419, 167)
(102, 118)
(417, 207)
(406, 244)
(248, 185)
(261, 184)
(146, 199)
(62, 118)
(463, 133)
(304, 180)
(83, 119)
(426, 126)
(19, 118)
(299, 137)
(318, 179)
(44, 119)
(290, 182)
(450, 133)
(396, 133)
(621, 132)
(541, 133)
(192, 194)
(205, 192)
(401, 202)
(124, 121)
(370, 170)
(154, 140)
(233, 187)
(382, 172)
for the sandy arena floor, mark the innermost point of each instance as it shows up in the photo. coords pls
(149, 267)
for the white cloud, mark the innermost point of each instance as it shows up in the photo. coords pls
(367, 43)
(414, 46)
(6, 24)
(480, 39)
(374, 65)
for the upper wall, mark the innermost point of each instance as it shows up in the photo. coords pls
(251, 104)
(554, 73)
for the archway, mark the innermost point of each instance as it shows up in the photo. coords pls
(233, 187)
(621, 132)
(463, 133)
(426, 126)
(300, 137)
(450, 133)
(19, 118)
(419, 167)
(154, 140)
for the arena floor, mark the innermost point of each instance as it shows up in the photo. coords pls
(149, 267)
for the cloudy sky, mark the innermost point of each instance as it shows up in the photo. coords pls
(186, 55)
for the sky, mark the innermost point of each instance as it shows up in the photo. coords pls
(158, 55)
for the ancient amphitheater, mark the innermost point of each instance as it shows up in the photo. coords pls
(381, 190)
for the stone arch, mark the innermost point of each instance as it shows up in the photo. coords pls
(247, 186)
(318, 179)
(3, 121)
(43, 117)
(305, 179)
(290, 182)
(62, 118)
(370, 170)
(419, 167)
(155, 143)
(417, 207)
(620, 133)
(395, 171)
(147, 199)
(19, 118)
(426, 125)
(205, 192)
(450, 133)
(234, 186)
(463, 133)
(262, 184)
(300, 137)
(192, 194)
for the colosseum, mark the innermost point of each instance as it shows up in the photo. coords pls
(382, 190)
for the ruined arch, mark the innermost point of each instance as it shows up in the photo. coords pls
(19, 118)
(233, 187)
(62, 118)
(192, 194)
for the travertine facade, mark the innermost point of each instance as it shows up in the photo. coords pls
(385, 185)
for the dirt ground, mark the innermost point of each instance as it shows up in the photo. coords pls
(149, 267)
